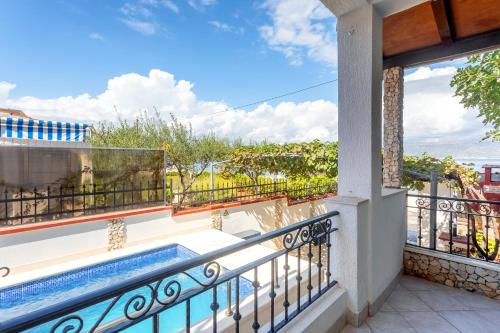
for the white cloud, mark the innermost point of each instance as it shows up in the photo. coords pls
(201, 4)
(170, 5)
(133, 93)
(144, 27)
(5, 88)
(141, 14)
(433, 114)
(301, 29)
(96, 36)
(424, 73)
(224, 27)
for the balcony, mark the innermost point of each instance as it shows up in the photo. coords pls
(342, 267)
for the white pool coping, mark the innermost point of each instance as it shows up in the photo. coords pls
(200, 242)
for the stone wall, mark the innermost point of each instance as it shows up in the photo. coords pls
(216, 217)
(393, 126)
(454, 273)
(117, 234)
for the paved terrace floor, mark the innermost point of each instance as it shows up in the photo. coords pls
(417, 305)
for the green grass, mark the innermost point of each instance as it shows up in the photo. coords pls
(491, 241)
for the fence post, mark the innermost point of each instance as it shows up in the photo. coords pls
(433, 212)
(165, 179)
(211, 182)
(171, 192)
(229, 310)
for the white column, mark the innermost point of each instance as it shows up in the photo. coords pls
(349, 260)
(360, 102)
(360, 148)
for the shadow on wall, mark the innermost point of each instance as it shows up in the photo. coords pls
(268, 216)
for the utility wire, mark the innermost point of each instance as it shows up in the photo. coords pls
(283, 95)
(268, 99)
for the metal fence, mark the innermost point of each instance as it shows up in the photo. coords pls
(243, 191)
(465, 227)
(57, 202)
(51, 203)
(277, 293)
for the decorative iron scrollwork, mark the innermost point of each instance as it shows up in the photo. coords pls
(140, 304)
(164, 292)
(474, 210)
(211, 272)
(5, 270)
(314, 232)
(171, 291)
(69, 324)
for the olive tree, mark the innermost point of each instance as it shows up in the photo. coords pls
(187, 153)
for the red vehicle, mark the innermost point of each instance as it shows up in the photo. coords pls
(490, 182)
(490, 185)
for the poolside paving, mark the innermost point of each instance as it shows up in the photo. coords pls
(420, 306)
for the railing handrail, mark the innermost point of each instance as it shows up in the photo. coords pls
(492, 202)
(60, 309)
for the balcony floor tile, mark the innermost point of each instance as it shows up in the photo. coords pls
(429, 322)
(420, 306)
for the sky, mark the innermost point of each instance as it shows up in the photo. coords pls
(91, 61)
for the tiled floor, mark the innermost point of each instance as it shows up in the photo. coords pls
(425, 307)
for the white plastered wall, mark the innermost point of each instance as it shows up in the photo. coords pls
(61, 243)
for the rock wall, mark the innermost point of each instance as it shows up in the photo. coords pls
(117, 234)
(216, 217)
(393, 126)
(453, 274)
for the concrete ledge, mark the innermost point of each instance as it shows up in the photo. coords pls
(344, 200)
(86, 218)
(389, 192)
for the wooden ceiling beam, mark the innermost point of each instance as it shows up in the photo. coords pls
(440, 9)
(460, 48)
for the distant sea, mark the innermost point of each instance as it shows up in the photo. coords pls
(478, 153)
(478, 163)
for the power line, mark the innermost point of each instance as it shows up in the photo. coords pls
(269, 99)
(285, 94)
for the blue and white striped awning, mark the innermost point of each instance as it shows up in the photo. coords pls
(42, 130)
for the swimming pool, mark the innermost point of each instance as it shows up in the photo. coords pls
(17, 300)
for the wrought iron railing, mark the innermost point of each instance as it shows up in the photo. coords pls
(230, 192)
(23, 206)
(466, 227)
(306, 191)
(224, 192)
(165, 288)
(50, 203)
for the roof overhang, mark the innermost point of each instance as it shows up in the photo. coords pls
(384, 7)
(418, 32)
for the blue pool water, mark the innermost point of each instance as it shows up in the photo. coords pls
(18, 300)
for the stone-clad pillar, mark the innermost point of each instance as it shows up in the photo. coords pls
(393, 126)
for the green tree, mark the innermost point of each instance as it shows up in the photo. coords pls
(187, 153)
(460, 176)
(293, 160)
(478, 85)
(250, 160)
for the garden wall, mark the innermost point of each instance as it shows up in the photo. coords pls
(32, 246)
(453, 271)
